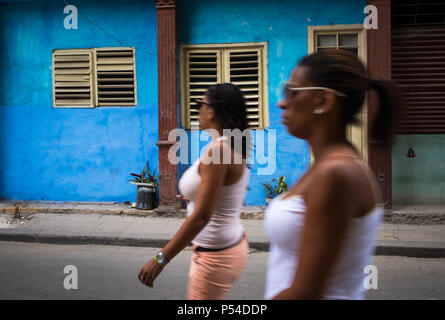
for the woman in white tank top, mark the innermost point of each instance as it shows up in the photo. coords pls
(322, 231)
(215, 186)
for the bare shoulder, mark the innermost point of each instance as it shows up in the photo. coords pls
(342, 175)
(215, 153)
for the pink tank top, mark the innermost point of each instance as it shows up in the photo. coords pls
(224, 228)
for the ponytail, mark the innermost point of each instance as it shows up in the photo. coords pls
(390, 102)
(342, 71)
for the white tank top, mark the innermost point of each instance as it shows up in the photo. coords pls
(224, 228)
(284, 222)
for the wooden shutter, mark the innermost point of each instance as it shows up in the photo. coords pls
(244, 68)
(418, 66)
(241, 64)
(72, 79)
(202, 69)
(116, 77)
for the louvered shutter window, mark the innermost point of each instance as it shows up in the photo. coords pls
(203, 66)
(245, 73)
(72, 81)
(203, 71)
(116, 80)
(418, 66)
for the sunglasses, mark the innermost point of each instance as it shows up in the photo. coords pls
(199, 103)
(290, 91)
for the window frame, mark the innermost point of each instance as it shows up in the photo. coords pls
(223, 75)
(313, 32)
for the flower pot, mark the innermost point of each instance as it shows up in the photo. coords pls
(146, 196)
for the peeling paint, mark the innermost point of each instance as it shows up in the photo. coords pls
(70, 154)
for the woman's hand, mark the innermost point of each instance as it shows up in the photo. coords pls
(149, 272)
(210, 188)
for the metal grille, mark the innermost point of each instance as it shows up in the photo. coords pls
(418, 66)
(417, 13)
(418, 63)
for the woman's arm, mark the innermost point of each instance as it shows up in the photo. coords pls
(212, 181)
(331, 203)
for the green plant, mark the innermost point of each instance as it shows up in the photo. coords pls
(145, 176)
(274, 187)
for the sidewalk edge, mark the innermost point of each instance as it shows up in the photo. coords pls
(383, 248)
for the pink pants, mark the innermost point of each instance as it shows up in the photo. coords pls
(212, 274)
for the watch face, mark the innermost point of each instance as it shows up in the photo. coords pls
(160, 258)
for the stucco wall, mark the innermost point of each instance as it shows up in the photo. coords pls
(283, 24)
(419, 180)
(86, 154)
(73, 154)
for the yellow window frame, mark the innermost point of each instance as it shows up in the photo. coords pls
(223, 74)
(356, 134)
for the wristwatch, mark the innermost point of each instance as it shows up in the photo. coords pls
(160, 258)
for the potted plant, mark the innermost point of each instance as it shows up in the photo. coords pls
(274, 188)
(147, 185)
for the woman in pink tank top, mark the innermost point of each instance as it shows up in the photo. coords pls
(215, 186)
(327, 207)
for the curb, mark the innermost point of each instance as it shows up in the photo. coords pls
(410, 249)
(413, 216)
(383, 248)
(118, 209)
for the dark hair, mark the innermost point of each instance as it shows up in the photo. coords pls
(229, 105)
(341, 70)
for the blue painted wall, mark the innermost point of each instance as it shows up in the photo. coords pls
(73, 154)
(86, 154)
(283, 24)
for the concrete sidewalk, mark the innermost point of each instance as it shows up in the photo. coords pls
(415, 215)
(25, 208)
(153, 231)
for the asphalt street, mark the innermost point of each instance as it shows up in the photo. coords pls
(36, 271)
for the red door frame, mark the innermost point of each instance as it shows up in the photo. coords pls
(379, 67)
(167, 100)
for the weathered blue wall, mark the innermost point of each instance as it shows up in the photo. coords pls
(86, 154)
(283, 24)
(73, 154)
(419, 180)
